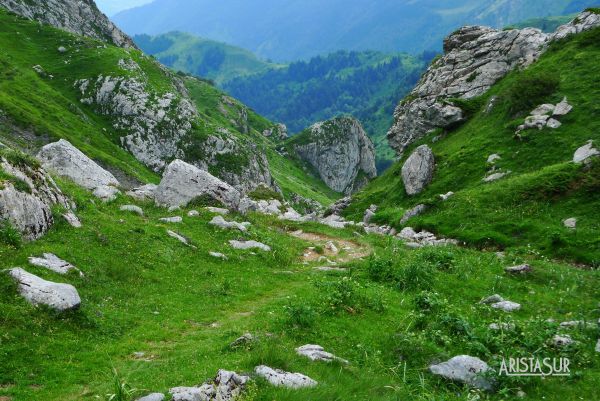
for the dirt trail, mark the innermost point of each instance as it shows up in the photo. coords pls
(330, 249)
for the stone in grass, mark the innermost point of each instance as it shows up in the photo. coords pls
(519, 269)
(318, 353)
(133, 209)
(330, 269)
(585, 152)
(153, 397)
(279, 378)
(465, 369)
(598, 346)
(495, 177)
(72, 219)
(217, 210)
(492, 299)
(570, 223)
(242, 341)
(245, 245)
(507, 306)
(218, 255)
(220, 222)
(58, 296)
(193, 213)
(175, 219)
(227, 386)
(180, 238)
(562, 341)
(502, 326)
(54, 263)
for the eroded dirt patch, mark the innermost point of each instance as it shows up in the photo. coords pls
(330, 250)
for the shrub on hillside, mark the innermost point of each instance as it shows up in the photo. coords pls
(529, 91)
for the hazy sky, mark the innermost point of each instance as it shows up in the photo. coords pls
(111, 7)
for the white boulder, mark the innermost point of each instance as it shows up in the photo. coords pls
(280, 378)
(58, 296)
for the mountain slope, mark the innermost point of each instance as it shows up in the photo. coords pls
(300, 29)
(204, 58)
(524, 210)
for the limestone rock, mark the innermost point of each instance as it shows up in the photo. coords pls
(174, 219)
(133, 209)
(277, 132)
(417, 171)
(270, 206)
(563, 108)
(28, 208)
(562, 341)
(182, 183)
(227, 386)
(72, 219)
(218, 255)
(318, 353)
(585, 152)
(570, 223)
(507, 306)
(369, 213)
(67, 161)
(81, 17)
(242, 341)
(495, 176)
(153, 397)
(105, 193)
(338, 207)
(217, 210)
(193, 213)
(341, 152)
(447, 196)
(52, 262)
(143, 193)
(552, 123)
(493, 158)
(543, 110)
(415, 211)
(245, 245)
(220, 222)
(37, 291)
(280, 378)
(465, 369)
(598, 346)
(502, 326)
(583, 22)
(179, 238)
(492, 299)
(519, 269)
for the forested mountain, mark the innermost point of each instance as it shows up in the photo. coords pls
(298, 29)
(366, 85)
(201, 57)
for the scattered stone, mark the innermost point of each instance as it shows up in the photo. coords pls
(242, 341)
(72, 219)
(492, 299)
(143, 193)
(133, 209)
(280, 378)
(217, 210)
(330, 269)
(465, 369)
(417, 171)
(563, 108)
(220, 222)
(62, 49)
(585, 152)
(576, 323)
(519, 269)
(37, 291)
(338, 207)
(369, 213)
(179, 238)
(570, 223)
(415, 211)
(493, 158)
(447, 196)
(423, 238)
(598, 346)
(331, 247)
(318, 353)
(495, 177)
(245, 245)
(543, 110)
(502, 326)
(218, 255)
(227, 386)
(193, 213)
(69, 162)
(54, 263)
(335, 221)
(175, 219)
(562, 341)
(153, 397)
(554, 124)
(271, 207)
(507, 306)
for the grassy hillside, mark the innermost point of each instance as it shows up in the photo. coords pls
(526, 209)
(366, 85)
(37, 108)
(201, 57)
(546, 24)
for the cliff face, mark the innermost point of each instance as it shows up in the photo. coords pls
(77, 16)
(474, 59)
(340, 151)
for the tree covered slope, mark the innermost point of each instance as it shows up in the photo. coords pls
(524, 210)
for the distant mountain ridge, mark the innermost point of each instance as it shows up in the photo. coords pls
(299, 29)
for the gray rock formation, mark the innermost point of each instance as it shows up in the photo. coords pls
(415, 211)
(465, 369)
(174, 219)
(245, 245)
(519, 269)
(145, 192)
(78, 16)
(37, 291)
(69, 162)
(227, 386)
(585, 152)
(277, 132)
(53, 262)
(280, 378)
(570, 223)
(417, 171)
(506, 306)
(220, 222)
(28, 207)
(562, 341)
(338, 207)
(340, 151)
(474, 59)
(153, 397)
(318, 353)
(182, 183)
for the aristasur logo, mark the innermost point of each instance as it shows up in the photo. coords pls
(535, 367)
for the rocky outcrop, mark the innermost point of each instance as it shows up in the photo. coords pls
(52, 262)
(69, 162)
(27, 195)
(417, 171)
(37, 291)
(340, 151)
(78, 16)
(475, 58)
(227, 386)
(278, 132)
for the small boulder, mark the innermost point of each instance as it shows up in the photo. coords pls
(72, 219)
(220, 222)
(585, 152)
(133, 209)
(519, 269)
(598, 346)
(369, 213)
(493, 158)
(179, 238)
(242, 341)
(318, 353)
(543, 110)
(492, 299)
(52, 262)
(217, 210)
(218, 255)
(562, 341)
(570, 223)
(143, 193)
(502, 326)
(417, 171)
(62, 49)
(280, 378)
(446, 196)
(153, 397)
(465, 369)
(193, 213)
(58, 296)
(507, 306)
(174, 219)
(563, 108)
(553, 123)
(495, 177)
(245, 245)
(415, 211)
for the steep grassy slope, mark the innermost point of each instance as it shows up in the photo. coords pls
(36, 108)
(526, 209)
(146, 292)
(546, 24)
(205, 58)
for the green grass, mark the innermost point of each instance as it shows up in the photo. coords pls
(526, 209)
(145, 292)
